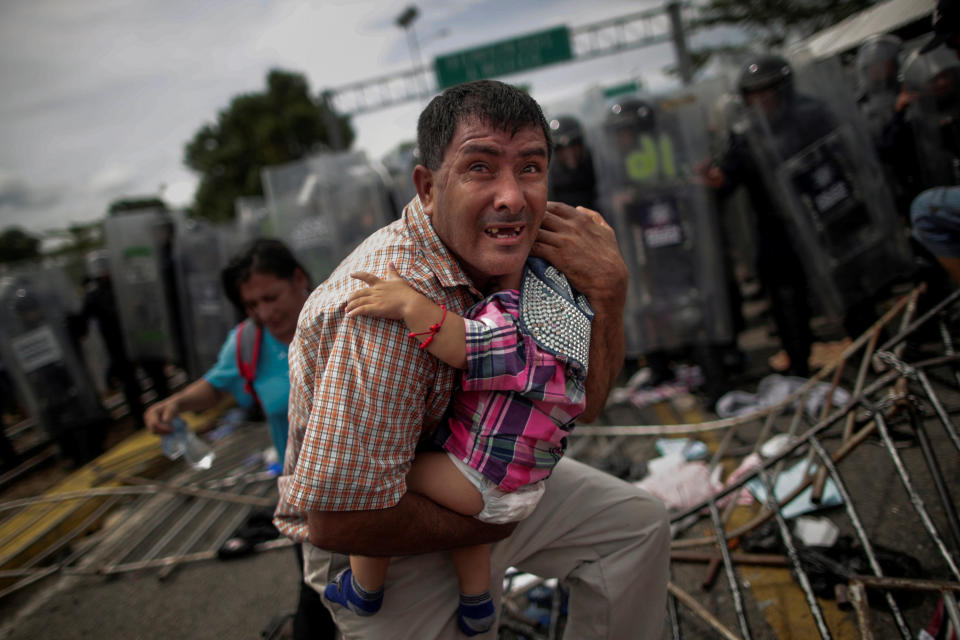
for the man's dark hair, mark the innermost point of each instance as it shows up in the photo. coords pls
(265, 256)
(501, 106)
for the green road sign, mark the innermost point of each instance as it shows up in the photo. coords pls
(621, 89)
(505, 57)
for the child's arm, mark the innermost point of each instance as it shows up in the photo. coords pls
(394, 299)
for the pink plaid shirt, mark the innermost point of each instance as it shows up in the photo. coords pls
(518, 402)
(361, 392)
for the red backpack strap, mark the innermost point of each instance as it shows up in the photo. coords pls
(248, 353)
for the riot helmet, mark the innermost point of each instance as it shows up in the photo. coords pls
(25, 306)
(565, 131)
(934, 75)
(765, 72)
(766, 81)
(631, 113)
(628, 119)
(877, 64)
(569, 152)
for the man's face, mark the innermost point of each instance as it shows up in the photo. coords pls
(767, 100)
(942, 84)
(569, 156)
(487, 199)
(881, 71)
(626, 139)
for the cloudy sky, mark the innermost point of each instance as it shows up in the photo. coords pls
(99, 96)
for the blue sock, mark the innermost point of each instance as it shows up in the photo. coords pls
(346, 591)
(475, 614)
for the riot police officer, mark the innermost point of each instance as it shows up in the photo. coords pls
(630, 127)
(826, 223)
(932, 82)
(572, 177)
(878, 83)
(677, 304)
(100, 304)
(935, 213)
(51, 379)
(792, 120)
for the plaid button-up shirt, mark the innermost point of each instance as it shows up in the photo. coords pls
(361, 392)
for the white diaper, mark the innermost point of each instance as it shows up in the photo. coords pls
(500, 507)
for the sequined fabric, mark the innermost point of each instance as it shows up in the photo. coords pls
(557, 316)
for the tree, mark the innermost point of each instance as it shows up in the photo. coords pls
(135, 204)
(16, 244)
(774, 22)
(86, 236)
(80, 239)
(255, 131)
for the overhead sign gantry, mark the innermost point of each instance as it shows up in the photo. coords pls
(551, 46)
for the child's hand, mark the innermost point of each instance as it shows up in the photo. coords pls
(390, 298)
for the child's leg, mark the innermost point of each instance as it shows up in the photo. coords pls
(476, 611)
(434, 475)
(437, 477)
(473, 568)
(360, 588)
(370, 571)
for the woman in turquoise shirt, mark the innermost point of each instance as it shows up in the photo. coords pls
(270, 286)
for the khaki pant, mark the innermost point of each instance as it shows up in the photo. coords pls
(608, 541)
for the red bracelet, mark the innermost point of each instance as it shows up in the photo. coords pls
(433, 330)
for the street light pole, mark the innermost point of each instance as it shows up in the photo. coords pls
(405, 21)
(674, 9)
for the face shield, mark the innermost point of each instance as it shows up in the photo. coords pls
(877, 64)
(919, 70)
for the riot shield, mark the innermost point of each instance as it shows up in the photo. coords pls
(826, 184)
(666, 225)
(142, 274)
(736, 215)
(877, 68)
(933, 80)
(325, 205)
(399, 164)
(44, 362)
(251, 220)
(201, 251)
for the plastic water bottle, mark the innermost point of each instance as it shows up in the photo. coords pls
(183, 442)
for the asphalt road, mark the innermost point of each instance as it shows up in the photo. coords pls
(207, 600)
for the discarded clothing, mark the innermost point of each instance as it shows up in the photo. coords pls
(827, 567)
(747, 466)
(774, 389)
(787, 482)
(690, 449)
(640, 394)
(680, 484)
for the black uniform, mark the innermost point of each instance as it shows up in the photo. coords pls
(99, 304)
(801, 121)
